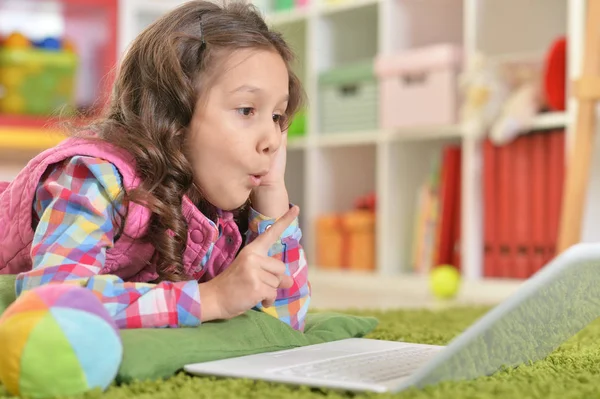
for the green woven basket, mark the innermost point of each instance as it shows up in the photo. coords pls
(348, 98)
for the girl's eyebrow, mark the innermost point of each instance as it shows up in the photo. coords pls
(254, 89)
(248, 88)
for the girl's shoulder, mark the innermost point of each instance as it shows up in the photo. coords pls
(79, 172)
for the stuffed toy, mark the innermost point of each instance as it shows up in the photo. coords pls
(58, 340)
(483, 91)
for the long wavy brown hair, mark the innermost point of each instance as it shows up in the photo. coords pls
(164, 73)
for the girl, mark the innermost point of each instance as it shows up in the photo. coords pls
(148, 207)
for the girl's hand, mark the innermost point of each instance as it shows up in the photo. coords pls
(276, 174)
(271, 197)
(252, 278)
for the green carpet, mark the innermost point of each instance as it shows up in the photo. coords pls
(572, 371)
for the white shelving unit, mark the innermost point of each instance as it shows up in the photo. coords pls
(327, 171)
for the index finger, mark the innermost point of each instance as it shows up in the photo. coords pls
(273, 232)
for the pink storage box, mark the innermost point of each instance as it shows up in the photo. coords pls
(419, 87)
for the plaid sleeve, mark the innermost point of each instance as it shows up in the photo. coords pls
(75, 203)
(291, 304)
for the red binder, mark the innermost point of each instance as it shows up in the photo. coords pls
(505, 209)
(539, 200)
(490, 209)
(449, 189)
(520, 212)
(456, 256)
(555, 171)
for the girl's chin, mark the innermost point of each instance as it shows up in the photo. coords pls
(231, 203)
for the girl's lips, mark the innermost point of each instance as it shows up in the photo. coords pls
(255, 180)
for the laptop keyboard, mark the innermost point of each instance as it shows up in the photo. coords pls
(371, 367)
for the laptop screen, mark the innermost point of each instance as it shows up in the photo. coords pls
(548, 309)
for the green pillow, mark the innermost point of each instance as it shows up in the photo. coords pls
(7, 291)
(161, 352)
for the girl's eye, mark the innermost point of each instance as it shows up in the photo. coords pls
(277, 118)
(246, 111)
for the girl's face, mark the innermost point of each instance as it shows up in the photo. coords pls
(235, 131)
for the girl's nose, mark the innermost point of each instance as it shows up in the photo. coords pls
(270, 138)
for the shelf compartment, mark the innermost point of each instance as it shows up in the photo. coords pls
(96, 53)
(279, 19)
(346, 173)
(328, 8)
(522, 36)
(407, 166)
(346, 37)
(419, 23)
(294, 181)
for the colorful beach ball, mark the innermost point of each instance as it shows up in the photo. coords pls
(58, 340)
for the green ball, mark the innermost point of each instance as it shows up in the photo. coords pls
(444, 281)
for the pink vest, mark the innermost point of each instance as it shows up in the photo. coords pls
(128, 259)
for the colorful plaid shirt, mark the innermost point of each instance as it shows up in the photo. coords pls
(74, 202)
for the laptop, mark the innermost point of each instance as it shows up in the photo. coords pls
(545, 311)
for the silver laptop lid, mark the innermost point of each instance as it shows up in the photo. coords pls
(549, 308)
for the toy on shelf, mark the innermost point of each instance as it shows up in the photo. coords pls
(502, 98)
(37, 78)
(522, 105)
(58, 340)
(347, 240)
(555, 75)
(368, 202)
(483, 92)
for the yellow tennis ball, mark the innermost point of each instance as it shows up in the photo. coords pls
(444, 281)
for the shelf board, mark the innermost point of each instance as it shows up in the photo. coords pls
(297, 143)
(410, 133)
(348, 139)
(345, 5)
(23, 139)
(425, 132)
(363, 289)
(550, 120)
(23, 132)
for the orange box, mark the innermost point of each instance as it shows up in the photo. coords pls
(360, 229)
(329, 242)
(346, 241)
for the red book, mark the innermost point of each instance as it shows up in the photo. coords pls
(490, 209)
(555, 173)
(520, 211)
(449, 188)
(505, 209)
(456, 259)
(539, 199)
